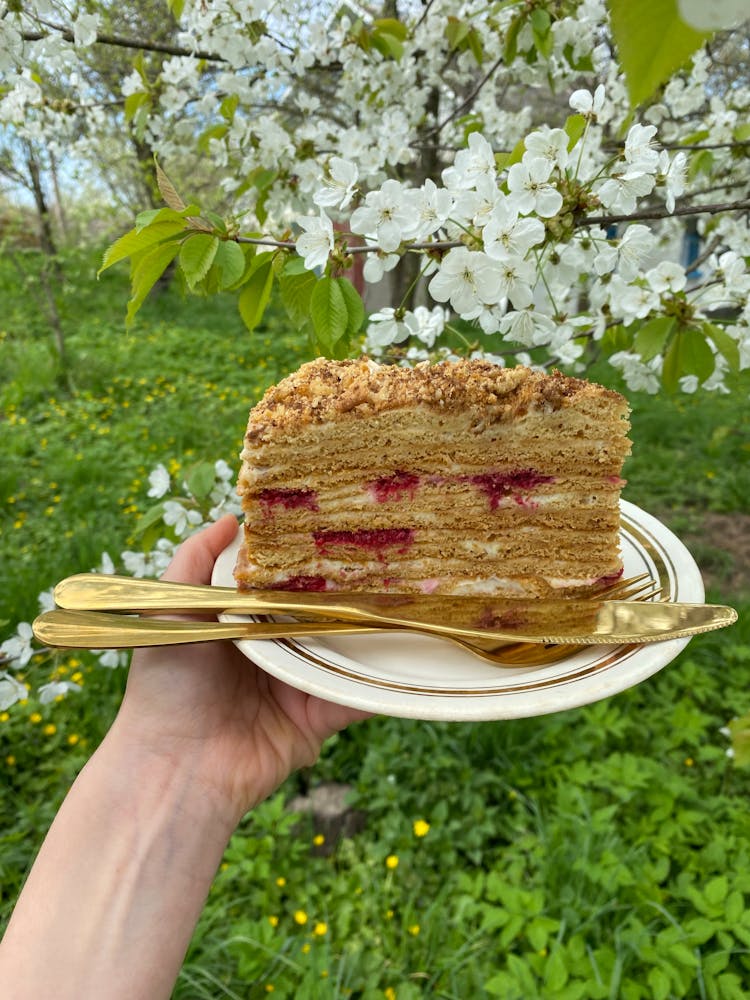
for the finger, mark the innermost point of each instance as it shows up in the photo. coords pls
(194, 560)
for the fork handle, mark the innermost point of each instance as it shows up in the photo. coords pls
(98, 630)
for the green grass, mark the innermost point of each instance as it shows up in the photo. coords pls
(602, 852)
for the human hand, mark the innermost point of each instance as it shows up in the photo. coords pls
(206, 706)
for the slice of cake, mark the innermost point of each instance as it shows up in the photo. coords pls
(455, 478)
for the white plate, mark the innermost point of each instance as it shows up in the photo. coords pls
(419, 677)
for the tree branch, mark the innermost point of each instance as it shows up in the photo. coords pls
(124, 43)
(660, 212)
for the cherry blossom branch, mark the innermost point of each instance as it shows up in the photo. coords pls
(664, 213)
(119, 41)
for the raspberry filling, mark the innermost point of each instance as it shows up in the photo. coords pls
(609, 578)
(376, 540)
(289, 499)
(301, 583)
(394, 487)
(496, 486)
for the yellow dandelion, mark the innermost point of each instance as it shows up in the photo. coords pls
(273, 920)
(421, 828)
(270, 987)
(10, 760)
(77, 677)
(50, 729)
(319, 839)
(389, 914)
(4, 716)
(300, 917)
(35, 717)
(324, 973)
(689, 762)
(320, 929)
(73, 739)
(391, 861)
(281, 881)
(306, 948)
(389, 993)
(414, 930)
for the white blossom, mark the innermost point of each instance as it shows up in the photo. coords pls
(159, 481)
(19, 649)
(426, 324)
(530, 190)
(56, 689)
(339, 185)
(586, 103)
(317, 241)
(548, 144)
(85, 27)
(180, 518)
(377, 264)
(11, 691)
(507, 235)
(468, 279)
(640, 151)
(385, 328)
(384, 216)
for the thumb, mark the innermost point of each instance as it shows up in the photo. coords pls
(194, 560)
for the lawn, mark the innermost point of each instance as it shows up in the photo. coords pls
(602, 852)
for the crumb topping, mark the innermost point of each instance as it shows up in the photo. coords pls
(324, 390)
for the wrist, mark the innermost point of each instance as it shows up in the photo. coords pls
(176, 768)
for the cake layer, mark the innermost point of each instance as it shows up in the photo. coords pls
(455, 478)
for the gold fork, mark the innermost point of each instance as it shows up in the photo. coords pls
(91, 630)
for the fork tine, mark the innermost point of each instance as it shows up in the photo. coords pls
(521, 654)
(620, 587)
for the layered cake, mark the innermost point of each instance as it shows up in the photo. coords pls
(455, 478)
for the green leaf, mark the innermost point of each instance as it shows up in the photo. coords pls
(701, 162)
(354, 306)
(154, 215)
(555, 973)
(652, 337)
(296, 289)
(392, 26)
(688, 354)
(741, 133)
(387, 44)
(329, 313)
(659, 984)
(146, 271)
(574, 128)
(152, 516)
(134, 102)
(200, 479)
(652, 42)
(257, 291)
(724, 343)
(456, 31)
(510, 50)
(541, 25)
(197, 255)
(229, 263)
(698, 358)
(136, 241)
(716, 890)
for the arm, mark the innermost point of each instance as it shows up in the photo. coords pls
(202, 736)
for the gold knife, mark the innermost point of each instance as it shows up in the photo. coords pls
(507, 620)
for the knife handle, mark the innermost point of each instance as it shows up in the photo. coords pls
(99, 630)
